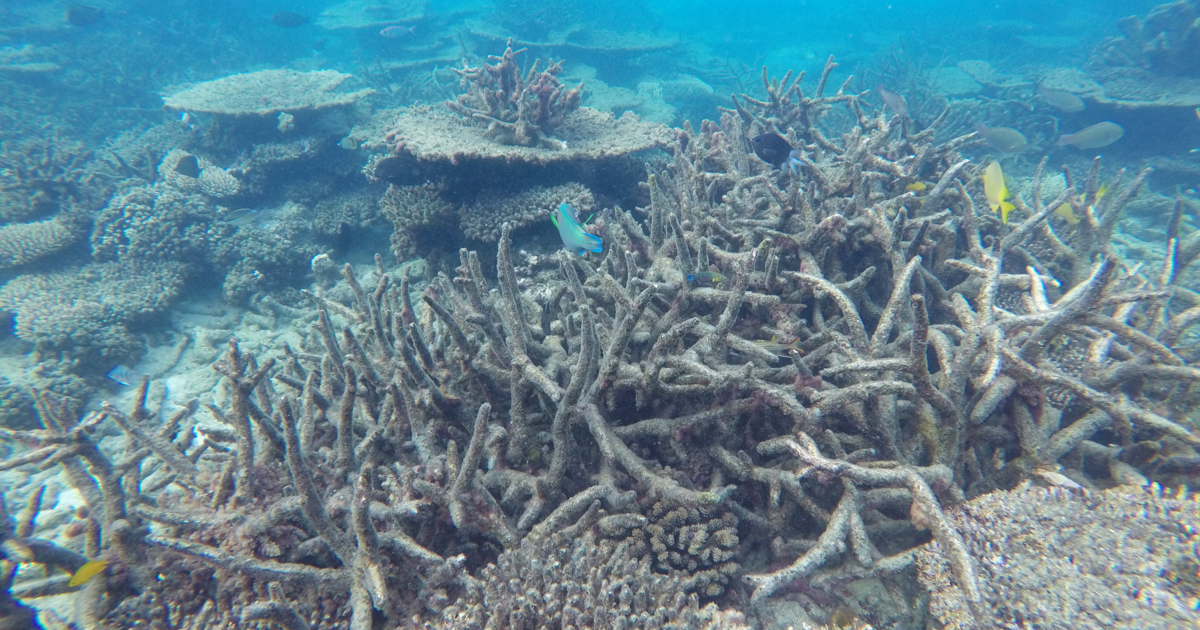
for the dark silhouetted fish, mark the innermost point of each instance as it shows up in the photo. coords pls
(773, 149)
(84, 15)
(1094, 137)
(188, 166)
(288, 19)
(1060, 100)
(1003, 139)
(546, 318)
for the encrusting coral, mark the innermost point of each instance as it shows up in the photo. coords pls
(401, 463)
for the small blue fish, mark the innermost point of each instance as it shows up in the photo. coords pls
(124, 376)
(574, 238)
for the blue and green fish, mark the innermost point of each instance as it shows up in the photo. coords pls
(574, 237)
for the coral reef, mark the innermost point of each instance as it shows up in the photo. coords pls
(1059, 558)
(43, 175)
(433, 134)
(210, 180)
(157, 222)
(580, 583)
(868, 355)
(266, 93)
(491, 183)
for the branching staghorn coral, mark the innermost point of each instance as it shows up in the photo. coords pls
(866, 356)
(518, 109)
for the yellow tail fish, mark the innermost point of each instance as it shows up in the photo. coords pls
(1064, 210)
(996, 191)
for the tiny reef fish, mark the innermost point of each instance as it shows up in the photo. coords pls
(773, 149)
(1060, 100)
(396, 32)
(1003, 139)
(916, 187)
(546, 319)
(705, 278)
(996, 191)
(1068, 215)
(573, 236)
(896, 102)
(124, 376)
(776, 347)
(1094, 137)
(86, 572)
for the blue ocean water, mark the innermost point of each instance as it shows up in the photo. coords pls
(166, 187)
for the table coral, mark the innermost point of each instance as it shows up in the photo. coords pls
(266, 93)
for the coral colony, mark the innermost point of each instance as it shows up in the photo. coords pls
(779, 364)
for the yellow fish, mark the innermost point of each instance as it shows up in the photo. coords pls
(87, 572)
(775, 347)
(916, 187)
(1064, 210)
(996, 191)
